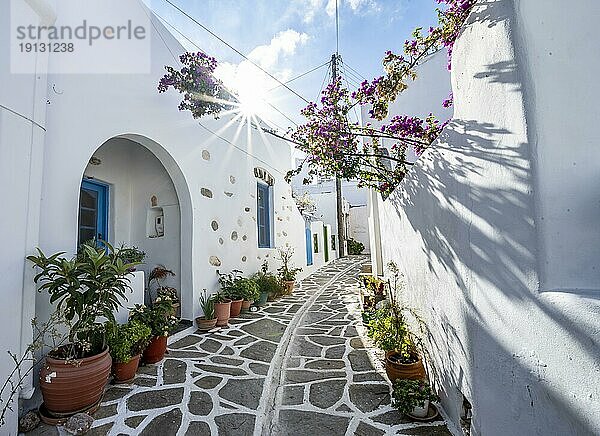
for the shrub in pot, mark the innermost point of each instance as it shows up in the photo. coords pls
(412, 397)
(158, 317)
(88, 288)
(287, 272)
(250, 291)
(268, 285)
(245, 289)
(230, 288)
(209, 319)
(222, 308)
(158, 275)
(126, 342)
(132, 255)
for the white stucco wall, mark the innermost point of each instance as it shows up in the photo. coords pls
(358, 226)
(495, 228)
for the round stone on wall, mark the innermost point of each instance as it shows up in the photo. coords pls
(221, 241)
(231, 180)
(214, 261)
(206, 192)
(205, 155)
(234, 235)
(214, 225)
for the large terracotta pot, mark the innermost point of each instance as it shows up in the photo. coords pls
(289, 286)
(156, 350)
(123, 372)
(246, 305)
(236, 308)
(223, 312)
(68, 388)
(205, 324)
(395, 370)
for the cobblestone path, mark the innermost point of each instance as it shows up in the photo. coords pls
(298, 366)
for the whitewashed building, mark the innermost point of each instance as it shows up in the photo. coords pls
(496, 227)
(106, 155)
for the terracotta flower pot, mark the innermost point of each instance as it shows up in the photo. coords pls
(69, 388)
(205, 324)
(263, 299)
(124, 372)
(246, 305)
(395, 370)
(156, 350)
(236, 308)
(289, 286)
(223, 312)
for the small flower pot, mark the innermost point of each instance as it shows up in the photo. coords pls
(420, 412)
(124, 372)
(236, 308)
(156, 350)
(262, 300)
(205, 324)
(246, 305)
(223, 312)
(396, 370)
(289, 286)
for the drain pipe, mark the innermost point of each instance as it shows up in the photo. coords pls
(47, 16)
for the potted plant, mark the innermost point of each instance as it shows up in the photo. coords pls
(222, 308)
(88, 288)
(171, 293)
(250, 291)
(287, 272)
(412, 397)
(158, 317)
(159, 274)
(232, 288)
(126, 342)
(268, 284)
(209, 319)
(131, 255)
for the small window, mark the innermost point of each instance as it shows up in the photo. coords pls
(316, 242)
(263, 218)
(333, 242)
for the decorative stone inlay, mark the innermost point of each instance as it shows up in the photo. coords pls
(259, 368)
(208, 382)
(302, 376)
(206, 192)
(214, 225)
(205, 155)
(134, 421)
(221, 241)
(222, 370)
(200, 403)
(368, 397)
(244, 258)
(265, 329)
(368, 430)
(174, 371)
(235, 424)
(227, 361)
(156, 398)
(228, 193)
(232, 180)
(261, 351)
(245, 392)
(300, 422)
(247, 209)
(293, 395)
(244, 238)
(198, 428)
(234, 235)
(163, 424)
(326, 364)
(359, 360)
(214, 261)
(326, 394)
(210, 345)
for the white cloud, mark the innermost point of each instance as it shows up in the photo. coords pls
(309, 9)
(284, 43)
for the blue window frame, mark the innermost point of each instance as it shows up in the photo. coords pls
(309, 249)
(93, 212)
(263, 219)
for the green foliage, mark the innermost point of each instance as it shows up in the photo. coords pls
(167, 291)
(389, 332)
(127, 340)
(355, 247)
(409, 394)
(131, 254)
(286, 271)
(236, 287)
(268, 282)
(86, 287)
(373, 284)
(158, 317)
(207, 304)
(247, 288)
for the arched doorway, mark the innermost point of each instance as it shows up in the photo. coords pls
(134, 193)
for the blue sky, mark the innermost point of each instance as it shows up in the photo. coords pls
(290, 37)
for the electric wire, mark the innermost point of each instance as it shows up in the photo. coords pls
(299, 76)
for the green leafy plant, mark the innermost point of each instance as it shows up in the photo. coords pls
(207, 304)
(158, 316)
(268, 282)
(167, 291)
(409, 394)
(286, 271)
(131, 254)
(247, 288)
(227, 282)
(127, 340)
(88, 287)
(355, 247)
(373, 284)
(220, 297)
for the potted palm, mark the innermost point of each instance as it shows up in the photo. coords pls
(287, 272)
(412, 397)
(158, 317)
(209, 319)
(222, 308)
(88, 288)
(126, 342)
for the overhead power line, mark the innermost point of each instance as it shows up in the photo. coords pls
(299, 76)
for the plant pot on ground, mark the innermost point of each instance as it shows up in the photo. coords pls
(245, 289)
(412, 397)
(209, 320)
(399, 366)
(158, 317)
(268, 284)
(127, 342)
(87, 288)
(222, 309)
(287, 273)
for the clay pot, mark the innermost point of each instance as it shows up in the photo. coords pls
(223, 312)
(69, 388)
(236, 308)
(289, 286)
(395, 370)
(246, 305)
(156, 350)
(205, 324)
(262, 300)
(124, 372)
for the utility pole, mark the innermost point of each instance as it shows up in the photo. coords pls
(341, 231)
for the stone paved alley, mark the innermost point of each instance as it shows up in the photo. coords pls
(299, 366)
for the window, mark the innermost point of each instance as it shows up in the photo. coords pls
(93, 212)
(316, 242)
(333, 242)
(263, 218)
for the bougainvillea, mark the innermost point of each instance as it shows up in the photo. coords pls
(203, 94)
(337, 147)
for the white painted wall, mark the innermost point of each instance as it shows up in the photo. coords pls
(495, 228)
(358, 226)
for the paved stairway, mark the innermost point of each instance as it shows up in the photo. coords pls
(298, 366)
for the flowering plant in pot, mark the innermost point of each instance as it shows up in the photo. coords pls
(222, 308)
(268, 284)
(158, 317)
(131, 255)
(286, 271)
(127, 342)
(158, 275)
(209, 319)
(412, 397)
(88, 289)
(231, 286)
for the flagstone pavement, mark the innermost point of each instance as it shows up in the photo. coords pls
(298, 366)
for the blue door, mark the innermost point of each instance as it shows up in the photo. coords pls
(93, 212)
(309, 256)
